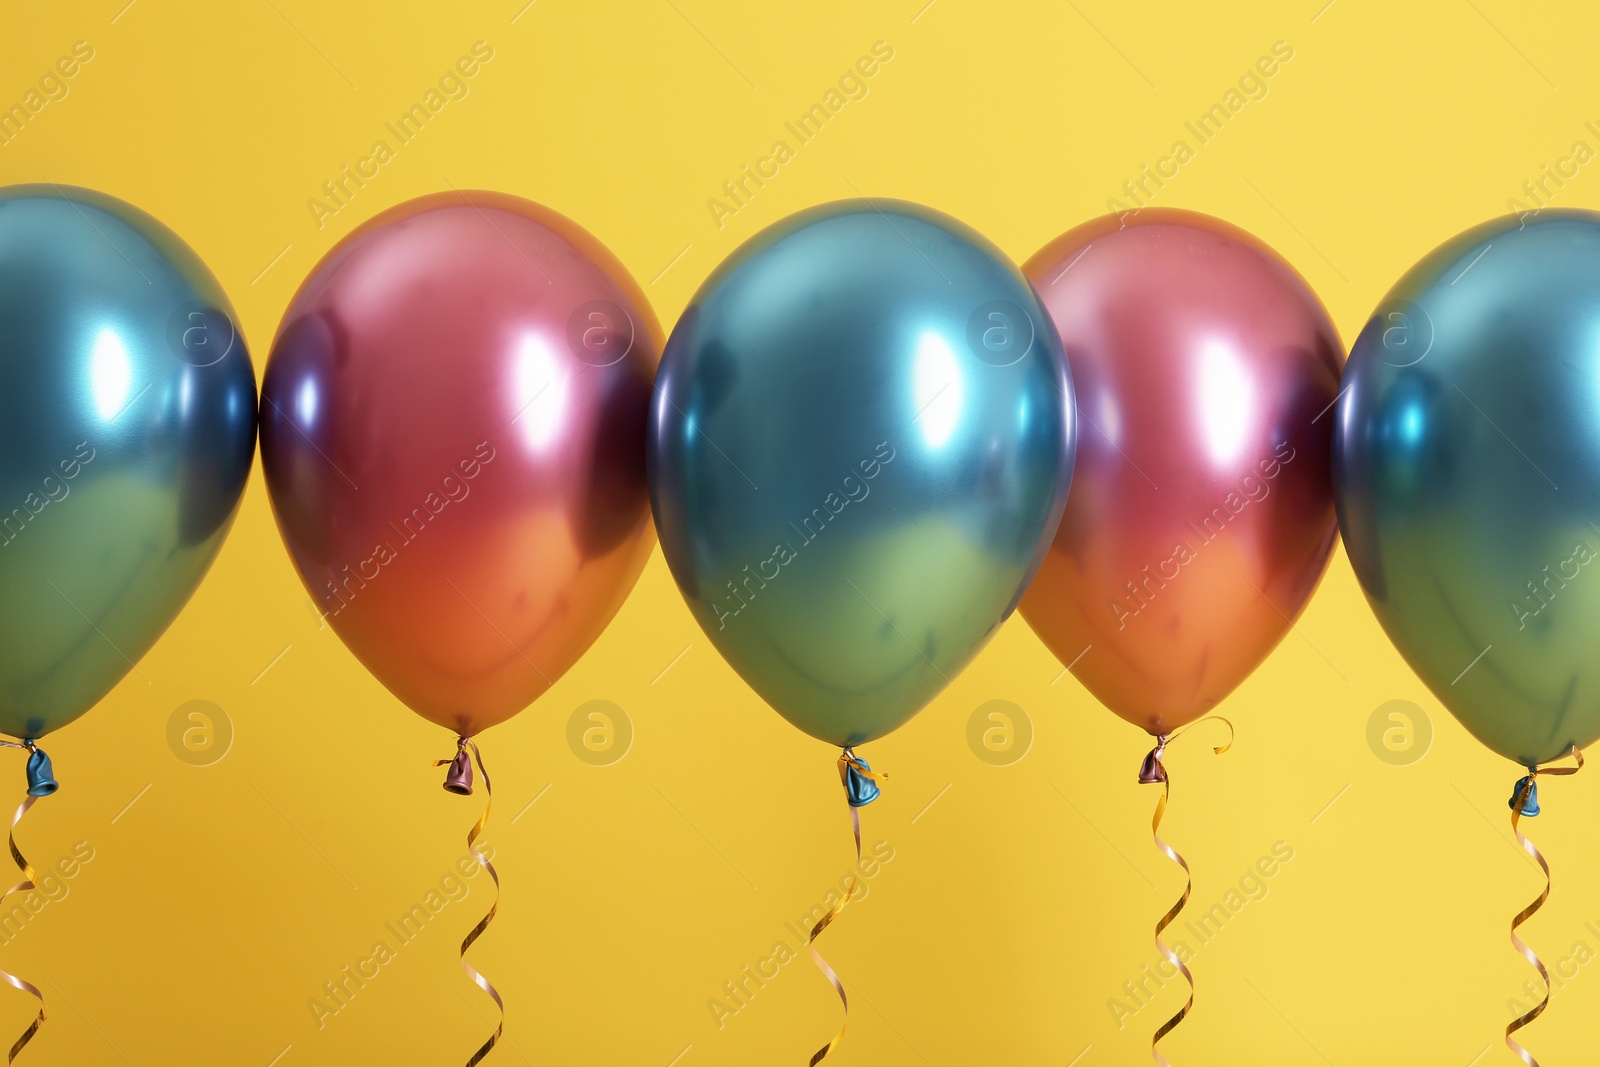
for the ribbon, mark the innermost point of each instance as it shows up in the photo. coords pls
(1526, 791)
(860, 789)
(1153, 772)
(41, 783)
(459, 781)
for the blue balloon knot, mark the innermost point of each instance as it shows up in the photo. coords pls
(1530, 806)
(858, 788)
(41, 776)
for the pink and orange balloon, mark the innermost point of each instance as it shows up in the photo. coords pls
(1201, 516)
(452, 428)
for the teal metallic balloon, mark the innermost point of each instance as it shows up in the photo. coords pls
(860, 443)
(1467, 471)
(127, 429)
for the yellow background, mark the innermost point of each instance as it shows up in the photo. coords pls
(1020, 901)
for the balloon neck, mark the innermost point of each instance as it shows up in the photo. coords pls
(859, 787)
(458, 779)
(41, 775)
(1152, 771)
(1530, 802)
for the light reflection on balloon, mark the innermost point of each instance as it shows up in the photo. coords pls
(1467, 466)
(125, 443)
(851, 494)
(1201, 517)
(1226, 399)
(458, 476)
(937, 389)
(539, 394)
(109, 373)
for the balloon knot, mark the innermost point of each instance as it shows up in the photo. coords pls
(1530, 801)
(860, 783)
(458, 779)
(1152, 771)
(41, 775)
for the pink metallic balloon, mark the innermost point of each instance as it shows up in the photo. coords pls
(1201, 516)
(453, 424)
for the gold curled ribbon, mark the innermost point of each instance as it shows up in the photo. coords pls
(1188, 879)
(1524, 787)
(26, 884)
(483, 924)
(847, 763)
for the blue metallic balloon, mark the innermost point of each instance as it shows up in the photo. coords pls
(1467, 469)
(127, 429)
(859, 449)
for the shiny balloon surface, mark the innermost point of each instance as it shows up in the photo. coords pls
(860, 442)
(1201, 517)
(1468, 476)
(127, 430)
(452, 429)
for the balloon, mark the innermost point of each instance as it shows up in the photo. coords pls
(1467, 466)
(127, 430)
(453, 435)
(860, 441)
(1201, 517)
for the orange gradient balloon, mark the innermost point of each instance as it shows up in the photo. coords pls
(453, 435)
(1201, 514)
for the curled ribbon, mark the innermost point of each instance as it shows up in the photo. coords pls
(860, 788)
(22, 886)
(459, 780)
(1153, 772)
(1526, 791)
(40, 783)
